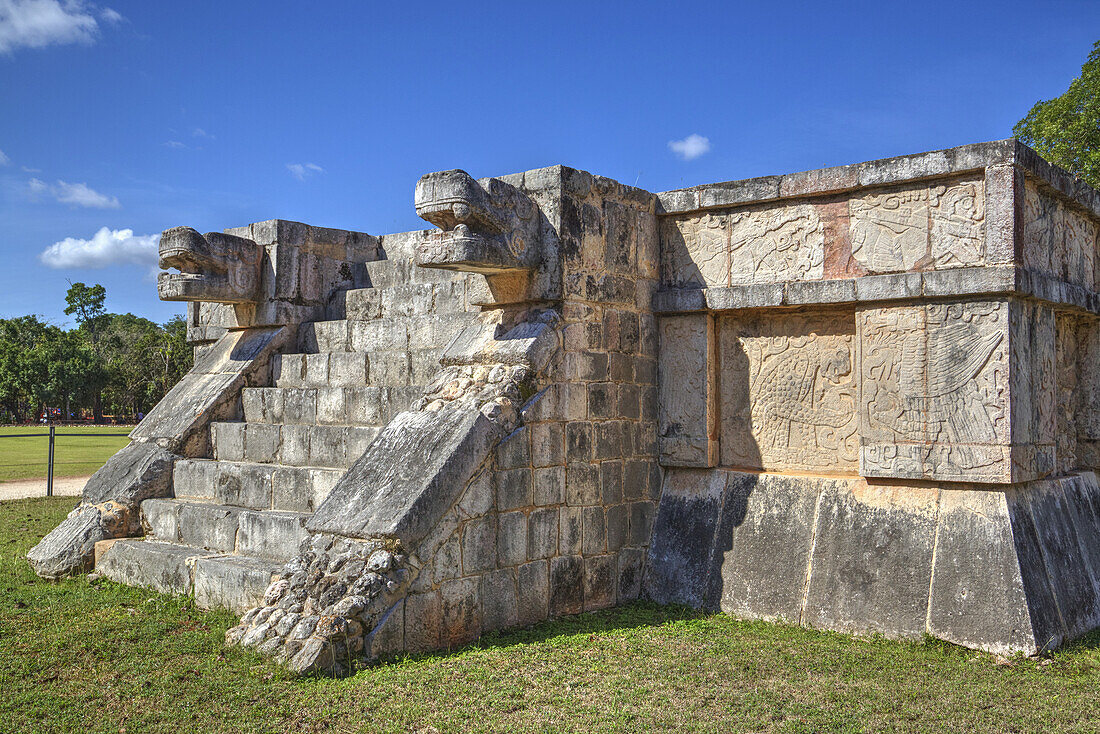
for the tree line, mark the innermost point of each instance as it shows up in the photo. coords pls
(110, 364)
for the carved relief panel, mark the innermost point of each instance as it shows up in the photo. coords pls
(695, 251)
(1058, 241)
(777, 244)
(788, 391)
(934, 391)
(940, 226)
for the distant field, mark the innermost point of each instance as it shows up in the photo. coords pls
(74, 456)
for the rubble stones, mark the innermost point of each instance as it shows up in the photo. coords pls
(332, 604)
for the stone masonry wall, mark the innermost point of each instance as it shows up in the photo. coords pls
(558, 522)
(854, 362)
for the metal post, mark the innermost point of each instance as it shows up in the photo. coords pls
(49, 473)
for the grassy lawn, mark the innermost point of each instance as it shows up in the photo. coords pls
(98, 657)
(26, 458)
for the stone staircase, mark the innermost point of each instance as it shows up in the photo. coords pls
(237, 516)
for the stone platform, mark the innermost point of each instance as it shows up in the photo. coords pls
(863, 398)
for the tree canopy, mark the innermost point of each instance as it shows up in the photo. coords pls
(1066, 130)
(120, 364)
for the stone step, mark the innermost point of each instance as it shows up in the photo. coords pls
(254, 486)
(377, 368)
(387, 334)
(268, 534)
(409, 299)
(327, 406)
(216, 580)
(291, 444)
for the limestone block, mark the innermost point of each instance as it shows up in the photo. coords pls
(957, 224)
(934, 392)
(599, 582)
(294, 449)
(594, 531)
(511, 539)
(237, 583)
(695, 251)
(272, 535)
(872, 559)
(461, 611)
(566, 585)
(569, 530)
(548, 485)
(261, 442)
(686, 391)
(532, 582)
(776, 244)
(909, 226)
(761, 514)
(679, 568)
(423, 622)
(542, 533)
(789, 391)
(1043, 246)
(315, 369)
(978, 595)
(328, 446)
(228, 441)
(206, 526)
(1039, 386)
(300, 406)
(498, 599)
(332, 406)
(629, 581)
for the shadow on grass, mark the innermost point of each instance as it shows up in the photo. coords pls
(634, 615)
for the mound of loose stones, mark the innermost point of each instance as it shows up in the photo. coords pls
(320, 614)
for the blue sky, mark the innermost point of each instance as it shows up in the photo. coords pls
(139, 116)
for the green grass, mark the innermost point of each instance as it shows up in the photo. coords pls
(26, 458)
(98, 657)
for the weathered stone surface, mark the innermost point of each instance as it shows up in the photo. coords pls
(789, 392)
(409, 476)
(934, 395)
(681, 553)
(209, 391)
(163, 567)
(872, 559)
(686, 393)
(764, 541)
(978, 596)
(109, 508)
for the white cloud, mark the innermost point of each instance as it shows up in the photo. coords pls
(30, 170)
(40, 23)
(174, 144)
(200, 133)
(75, 194)
(105, 248)
(111, 15)
(4, 160)
(302, 171)
(690, 147)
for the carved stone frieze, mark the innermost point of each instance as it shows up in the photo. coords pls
(788, 392)
(934, 391)
(776, 244)
(906, 228)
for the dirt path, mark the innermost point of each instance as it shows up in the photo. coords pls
(62, 487)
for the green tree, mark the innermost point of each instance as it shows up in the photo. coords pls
(86, 303)
(1066, 130)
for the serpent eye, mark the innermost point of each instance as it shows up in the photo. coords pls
(461, 211)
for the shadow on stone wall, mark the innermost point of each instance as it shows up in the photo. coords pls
(699, 514)
(678, 269)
